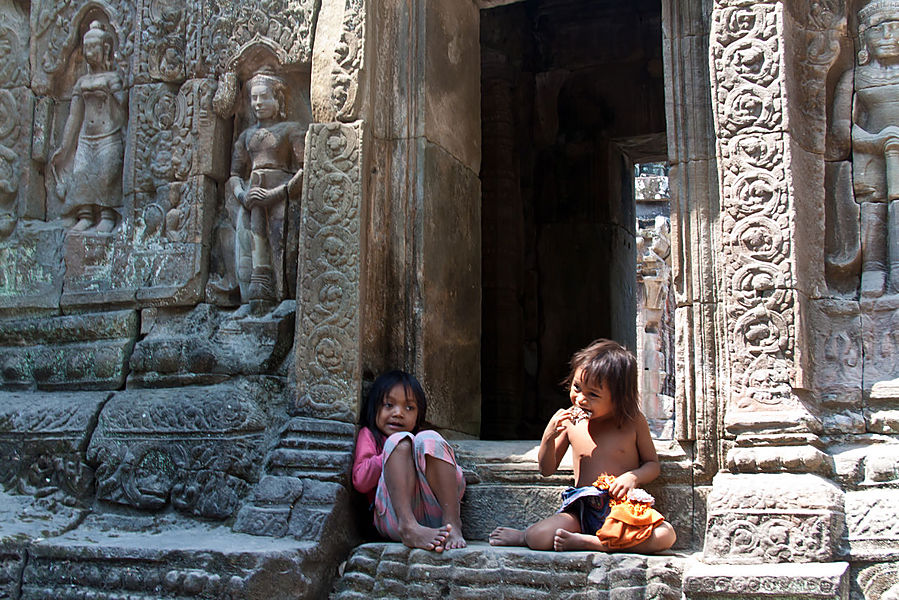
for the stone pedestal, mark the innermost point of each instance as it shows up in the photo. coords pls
(767, 518)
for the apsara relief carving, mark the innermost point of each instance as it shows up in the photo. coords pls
(87, 167)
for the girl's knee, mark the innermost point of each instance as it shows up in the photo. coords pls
(399, 444)
(398, 437)
(429, 437)
(431, 443)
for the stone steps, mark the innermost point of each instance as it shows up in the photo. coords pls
(504, 487)
(391, 570)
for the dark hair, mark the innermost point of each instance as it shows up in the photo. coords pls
(612, 365)
(379, 390)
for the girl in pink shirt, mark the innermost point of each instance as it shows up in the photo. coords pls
(409, 475)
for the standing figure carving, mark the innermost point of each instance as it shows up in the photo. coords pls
(88, 164)
(266, 174)
(874, 134)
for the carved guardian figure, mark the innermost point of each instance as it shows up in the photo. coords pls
(874, 136)
(266, 173)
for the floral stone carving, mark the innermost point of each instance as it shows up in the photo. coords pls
(766, 518)
(327, 353)
(198, 449)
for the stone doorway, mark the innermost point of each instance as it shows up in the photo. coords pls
(572, 96)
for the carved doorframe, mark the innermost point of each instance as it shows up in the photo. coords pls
(695, 205)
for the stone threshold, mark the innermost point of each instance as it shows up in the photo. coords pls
(392, 570)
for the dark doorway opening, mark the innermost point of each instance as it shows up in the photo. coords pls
(572, 96)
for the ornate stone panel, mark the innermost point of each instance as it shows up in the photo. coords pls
(338, 60)
(327, 351)
(160, 253)
(175, 134)
(765, 518)
(872, 523)
(14, 42)
(21, 192)
(821, 580)
(757, 220)
(83, 351)
(55, 36)
(167, 34)
(226, 29)
(171, 252)
(198, 449)
(42, 440)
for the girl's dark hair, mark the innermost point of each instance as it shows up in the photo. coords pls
(379, 390)
(608, 363)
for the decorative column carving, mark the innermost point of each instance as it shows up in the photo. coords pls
(328, 321)
(774, 506)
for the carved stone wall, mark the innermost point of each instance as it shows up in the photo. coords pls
(137, 376)
(164, 434)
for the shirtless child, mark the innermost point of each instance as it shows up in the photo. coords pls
(608, 435)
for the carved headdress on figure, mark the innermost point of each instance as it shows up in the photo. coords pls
(871, 15)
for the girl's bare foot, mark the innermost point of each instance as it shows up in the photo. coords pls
(454, 538)
(566, 540)
(426, 538)
(507, 536)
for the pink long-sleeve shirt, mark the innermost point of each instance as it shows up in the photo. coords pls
(368, 463)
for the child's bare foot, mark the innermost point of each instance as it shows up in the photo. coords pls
(454, 538)
(426, 538)
(567, 540)
(507, 536)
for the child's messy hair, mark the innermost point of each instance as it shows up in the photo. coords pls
(378, 392)
(608, 363)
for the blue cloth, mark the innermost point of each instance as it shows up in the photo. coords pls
(589, 504)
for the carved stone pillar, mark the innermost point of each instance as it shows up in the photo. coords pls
(775, 507)
(328, 313)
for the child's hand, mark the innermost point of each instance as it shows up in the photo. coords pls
(559, 421)
(623, 484)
